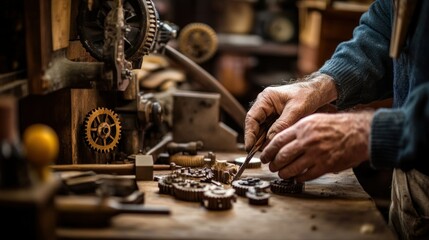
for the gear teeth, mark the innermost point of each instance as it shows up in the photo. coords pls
(151, 31)
(288, 186)
(190, 190)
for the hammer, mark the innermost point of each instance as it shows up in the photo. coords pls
(142, 166)
(140, 170)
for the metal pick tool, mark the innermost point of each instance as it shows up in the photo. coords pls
(260, 140)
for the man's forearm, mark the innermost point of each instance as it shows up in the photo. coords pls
(325, 87)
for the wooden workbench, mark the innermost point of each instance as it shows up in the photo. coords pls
(333, 206)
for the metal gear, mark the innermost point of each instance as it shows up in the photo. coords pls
(286, 186)
(219, 198)
(190, 190)
(102, 130)
(198, 41)
(165, 184)
(257, 196)
(141, 26)
(241, 186)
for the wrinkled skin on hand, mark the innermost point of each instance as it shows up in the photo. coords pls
(291, 102)
(319, 144)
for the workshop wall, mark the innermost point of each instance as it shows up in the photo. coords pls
(257, 40)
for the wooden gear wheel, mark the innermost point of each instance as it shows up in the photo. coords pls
(198, 41)
(102, 130)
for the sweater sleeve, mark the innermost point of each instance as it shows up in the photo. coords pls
(361, 67)
(400, 137)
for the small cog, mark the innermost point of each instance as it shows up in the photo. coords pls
(219, 198)
(102, 130)
(241, 186)
(257, 196)
(286, 186)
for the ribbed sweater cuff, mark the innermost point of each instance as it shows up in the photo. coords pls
(386, 132)
(348, 85)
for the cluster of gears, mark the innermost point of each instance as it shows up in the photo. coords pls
(202, 184)
(255, 189)
(121, 33)
(198, 185)
(213, 197)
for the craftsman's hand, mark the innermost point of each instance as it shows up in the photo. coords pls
(319, 144)
(291, 102)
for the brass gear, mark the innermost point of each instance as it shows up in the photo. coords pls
(102, 130)
(198, 41)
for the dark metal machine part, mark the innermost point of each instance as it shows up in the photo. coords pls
(286, 186)
(241, 186)
(87, 183)
(140, 26)
(257, 196)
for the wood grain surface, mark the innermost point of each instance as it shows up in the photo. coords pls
(333, 206)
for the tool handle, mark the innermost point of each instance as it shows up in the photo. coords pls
(141, 209)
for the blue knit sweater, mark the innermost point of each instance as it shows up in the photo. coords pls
(364, 72)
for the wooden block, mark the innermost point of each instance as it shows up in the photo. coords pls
(144, 167)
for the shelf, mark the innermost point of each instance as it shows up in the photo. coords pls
(253, 44)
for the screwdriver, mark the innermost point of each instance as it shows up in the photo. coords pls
(260, 140)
